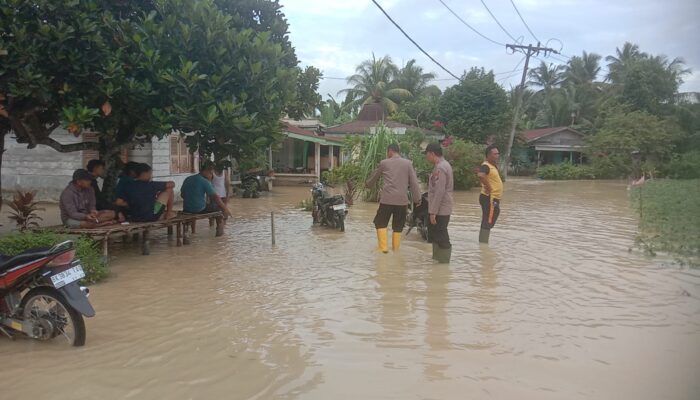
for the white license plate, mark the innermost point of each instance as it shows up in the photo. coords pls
(340, 207)
(70, 275)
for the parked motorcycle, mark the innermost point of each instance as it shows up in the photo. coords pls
(328, 210)
(419, 218)
(40, 296)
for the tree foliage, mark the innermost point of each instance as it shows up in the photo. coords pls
(476, 107)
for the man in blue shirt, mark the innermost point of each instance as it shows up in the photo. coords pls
(148, 201)
(195, 190)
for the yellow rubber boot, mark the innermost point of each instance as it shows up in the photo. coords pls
(383, 239)
(396, 241)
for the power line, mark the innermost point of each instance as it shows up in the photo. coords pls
(469, 26)
(413, 41)
(523, 19)
(499, 24)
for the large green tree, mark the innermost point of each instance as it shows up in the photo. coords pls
(414, 79)
(475, 108)
(224, 70)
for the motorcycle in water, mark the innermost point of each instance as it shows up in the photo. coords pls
(40, 296)
(328, 210)
(419, 218)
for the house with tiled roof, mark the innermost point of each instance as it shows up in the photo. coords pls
(556, 145)
(371, 116)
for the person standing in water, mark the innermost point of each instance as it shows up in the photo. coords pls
(440, 202)
(398, 177)
(222, 183)
(491, 192)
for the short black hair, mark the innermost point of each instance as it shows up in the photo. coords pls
(394, 147)
(142, 168)
(92, 164)
(489, 149)
(434, 148)
(207, 166)
(130, 166)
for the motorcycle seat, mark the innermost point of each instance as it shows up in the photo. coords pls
(7, 262)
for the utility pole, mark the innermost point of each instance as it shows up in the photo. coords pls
(529, 51)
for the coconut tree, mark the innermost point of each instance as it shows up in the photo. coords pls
(582, 69)
(546, 76)
(373, 83)
(621, 61)
(413, 79)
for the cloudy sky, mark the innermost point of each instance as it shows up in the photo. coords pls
(336, 35)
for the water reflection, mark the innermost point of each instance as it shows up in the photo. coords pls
(437, 328)
(486, 293)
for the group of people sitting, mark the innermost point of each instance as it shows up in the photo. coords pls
(138, 198)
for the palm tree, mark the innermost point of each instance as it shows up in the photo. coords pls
(583, 69)
(546, 76)
(412, 78)
(618, 64)
(372, 83)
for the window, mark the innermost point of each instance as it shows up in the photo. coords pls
(181, 160)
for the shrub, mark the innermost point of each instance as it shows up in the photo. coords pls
(464, 157)
(86, 250)
(349, 176)
(685, 166)
(24, 210)
(565, 171)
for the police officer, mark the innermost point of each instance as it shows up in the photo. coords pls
(398, 176)
(440, 202)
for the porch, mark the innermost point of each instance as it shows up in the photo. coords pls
(303, 156)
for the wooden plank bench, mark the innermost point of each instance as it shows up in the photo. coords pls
(182, 223)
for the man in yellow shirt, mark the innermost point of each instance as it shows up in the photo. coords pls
(491, 192)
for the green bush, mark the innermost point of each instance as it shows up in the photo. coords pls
(86, 250)
(565, 171)
(464, 157)
(685, 166)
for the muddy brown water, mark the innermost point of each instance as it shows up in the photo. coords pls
(557, 307)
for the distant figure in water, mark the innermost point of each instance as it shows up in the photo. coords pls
(398, 176)
(491, 192)
(440, 202)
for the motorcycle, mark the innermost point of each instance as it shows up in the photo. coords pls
(40, 296)
(328, 210)
(419, 218)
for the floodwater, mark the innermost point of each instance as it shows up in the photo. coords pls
(557, 307)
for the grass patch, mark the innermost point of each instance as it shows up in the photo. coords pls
(87, 250)
(565, 171)
(670, 218)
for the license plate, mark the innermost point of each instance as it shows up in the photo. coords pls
(340, 207)
(70, 275)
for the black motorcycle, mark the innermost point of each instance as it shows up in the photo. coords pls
(419, 218)
(328, 210)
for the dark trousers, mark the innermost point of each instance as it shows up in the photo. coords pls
(397, 214)
(438, 232)
(490, 209)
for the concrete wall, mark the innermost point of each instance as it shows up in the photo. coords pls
(48, 171)
(42, 168)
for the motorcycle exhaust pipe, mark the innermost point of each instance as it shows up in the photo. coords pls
(85, 291)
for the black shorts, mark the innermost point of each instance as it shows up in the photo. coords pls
(397, 214)
(490, 209)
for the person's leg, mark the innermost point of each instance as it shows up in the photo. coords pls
(166, 199)
(398, 221)
(444, 247)
(485, 230)
(106, 215)
(381, 221)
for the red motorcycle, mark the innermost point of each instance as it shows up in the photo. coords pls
(40, 295)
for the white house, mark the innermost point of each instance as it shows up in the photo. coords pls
(48, 171)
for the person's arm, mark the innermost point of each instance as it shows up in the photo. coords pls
(119, 202)
(483, 178)
(375, 176)
(439, 190)
(414, 185)
(170, 185)
(221, 204)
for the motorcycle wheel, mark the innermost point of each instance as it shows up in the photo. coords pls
(341, 222)
(47, 308)
(423, 229)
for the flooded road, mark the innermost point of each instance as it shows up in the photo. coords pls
(556, 308)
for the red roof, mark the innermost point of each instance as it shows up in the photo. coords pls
(298, 131)
(535, 134)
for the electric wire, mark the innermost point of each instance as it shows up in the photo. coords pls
(413, 41)
(499, 23)
(523, 19)
(469, 26)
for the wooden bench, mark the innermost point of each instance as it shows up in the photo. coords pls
(182, 223)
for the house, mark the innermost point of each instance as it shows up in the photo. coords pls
(304, 154)
(371, 116)
(48, 171)
(556, 145)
